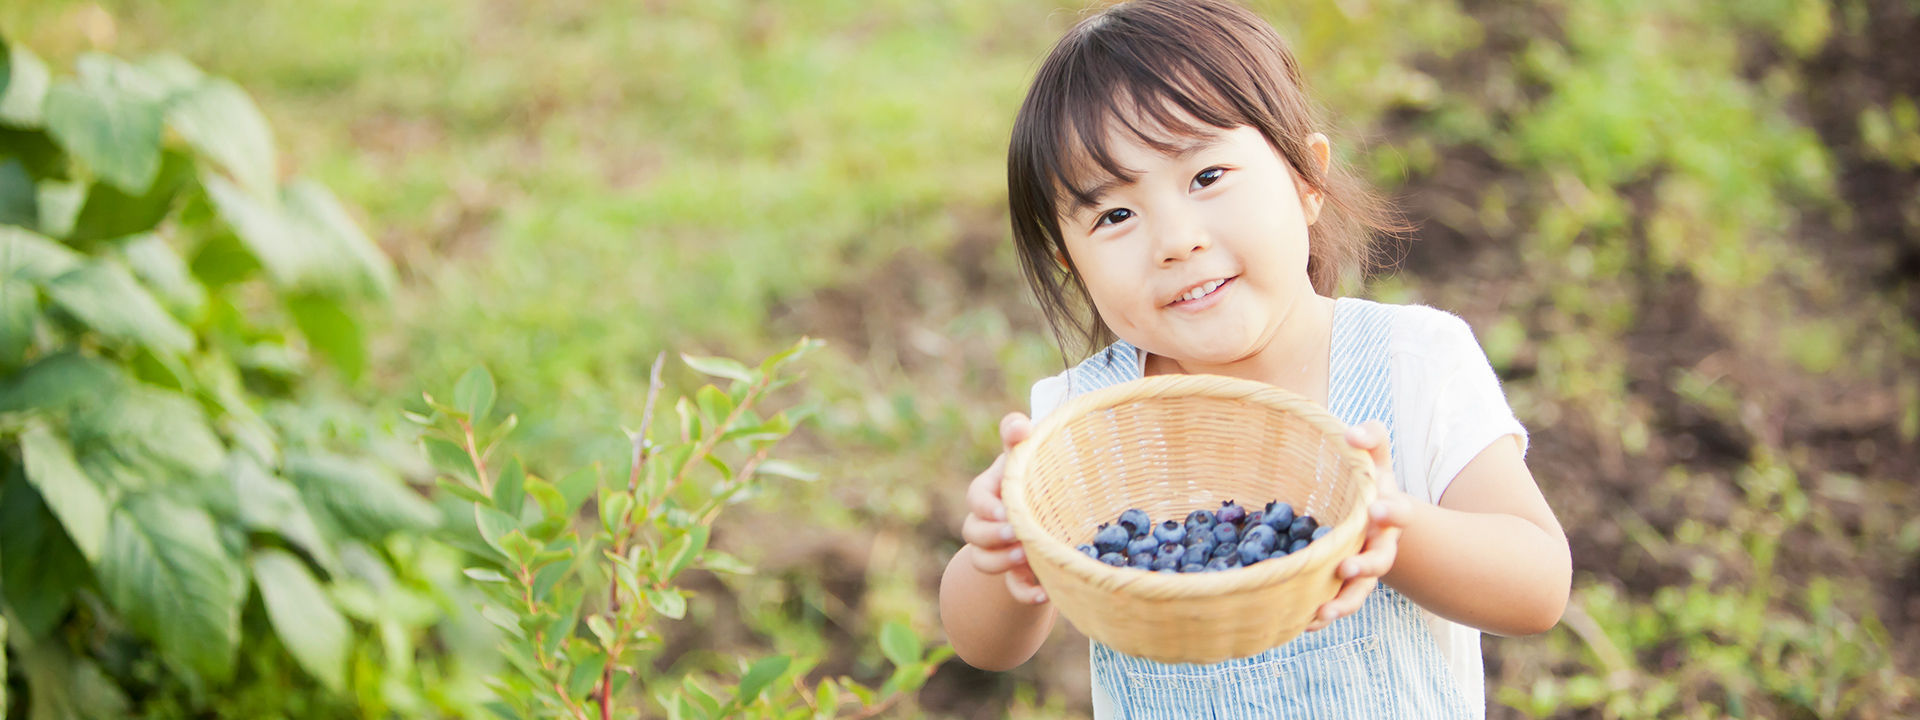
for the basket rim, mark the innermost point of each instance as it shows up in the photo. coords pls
(1160, 586)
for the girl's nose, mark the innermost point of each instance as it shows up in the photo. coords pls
(1181, 237)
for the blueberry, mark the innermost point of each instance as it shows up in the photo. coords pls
(1114, 559)
(1298, 545)
(1302, 527)
(1225, 533)
(1230, 513)
(1199, 520)
(1279, 516)
(1110, 539)
(1144, 562)
(1218, 564)
(1318, 532)
(1136, 521)
(1144, 545)
(1262, 535)
(1197, 554)
(1170, 550)
(1254, 518)
(1168, 571)
(1088, 549)
(1193, 568)
(1225, 550)
(1166, 564)
(1170, 532)
(1251, 552)
(1277, 554)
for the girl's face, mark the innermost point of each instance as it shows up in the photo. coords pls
(1203, 256)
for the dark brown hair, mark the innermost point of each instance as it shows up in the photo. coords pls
(1140, 66)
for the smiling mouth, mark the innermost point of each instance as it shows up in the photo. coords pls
(1201, 291)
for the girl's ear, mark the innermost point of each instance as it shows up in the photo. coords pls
(1311, 198)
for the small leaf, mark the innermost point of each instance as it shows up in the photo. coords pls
(614, 510)
(485, 575)
(448, 458)
(719, 367)
(579, 486)
(494, 526)
(668, 602)
(861, 692)
(510, 488)
(460, 490)
(503, 619)
(685, 550)
(718, 561)
(601, 630)
(715, 406)
(899, 643)
(553, 506)
(308, 625)
(826, 700)
(473, 394)
(764, 671)
(782, 468)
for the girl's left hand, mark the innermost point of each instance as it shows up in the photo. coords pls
(1388, 515)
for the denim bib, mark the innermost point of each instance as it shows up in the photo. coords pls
(1380, 662)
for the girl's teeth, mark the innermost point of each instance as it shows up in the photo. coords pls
(1202, 291)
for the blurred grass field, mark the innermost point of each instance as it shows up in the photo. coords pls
(1645, 209)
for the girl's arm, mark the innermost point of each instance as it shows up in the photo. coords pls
(994, 614)
(1490, 555)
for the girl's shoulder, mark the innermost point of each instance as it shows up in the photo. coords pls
(1422, 332)
(1115, 364)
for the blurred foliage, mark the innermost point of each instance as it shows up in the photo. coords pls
(185, 527)
(1685, 232)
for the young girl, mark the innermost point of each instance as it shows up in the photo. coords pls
(1165, 172)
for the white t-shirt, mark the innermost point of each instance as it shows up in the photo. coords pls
(1447, 408)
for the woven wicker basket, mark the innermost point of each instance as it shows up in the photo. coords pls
(1169, 445)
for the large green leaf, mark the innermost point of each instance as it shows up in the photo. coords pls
(26, 92)
(61, 686)
(361, 499)
(361, 267)
(19, 315)
(109, 213)
(330, 329)
(108, 300)
(217, 118)
(151, 429)
(39, 566)
(156, 263)
(270, 504)
(112, 130)
(60, 381)
(37, 153)
(29, 256)
(303, 238)
(306, 621)
(74, 498)
(3, 664)
(18, 203)
(167, 574)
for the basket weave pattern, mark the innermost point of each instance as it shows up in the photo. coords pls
(1170, 445)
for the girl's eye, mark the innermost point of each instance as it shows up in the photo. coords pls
(1207, 177)
(1115, 217)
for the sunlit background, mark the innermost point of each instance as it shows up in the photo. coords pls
(1685, 231)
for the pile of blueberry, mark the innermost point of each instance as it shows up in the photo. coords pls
(1208, 541)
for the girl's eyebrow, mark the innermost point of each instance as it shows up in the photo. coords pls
(1180, 151)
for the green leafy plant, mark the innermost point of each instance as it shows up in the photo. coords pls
(173, 530)
(583, 610)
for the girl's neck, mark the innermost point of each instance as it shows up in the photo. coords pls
(1294, 359)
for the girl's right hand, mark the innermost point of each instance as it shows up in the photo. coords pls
(995, 551)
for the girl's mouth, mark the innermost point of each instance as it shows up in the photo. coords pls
(1203, 295)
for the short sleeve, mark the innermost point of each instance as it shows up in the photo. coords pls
(1047, 395)
(1456, 408)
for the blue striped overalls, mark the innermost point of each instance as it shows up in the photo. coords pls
(1380, 662)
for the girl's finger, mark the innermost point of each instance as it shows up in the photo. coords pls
(1393, 509)
(1014, 428)
(994, 562)
(1024, 587)
(983, 495)
(1351, 596)
(986, 533)
(1374, 562)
